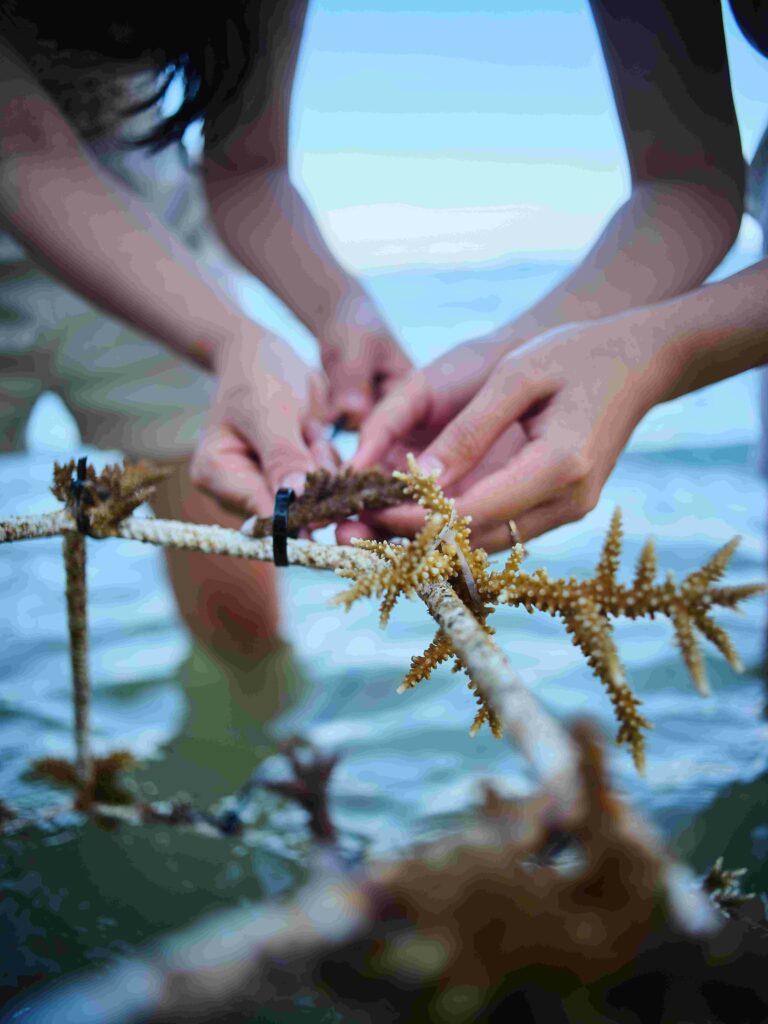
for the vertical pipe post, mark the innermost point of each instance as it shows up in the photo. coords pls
(74, 561)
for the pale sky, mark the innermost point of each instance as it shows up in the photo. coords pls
(440, 132)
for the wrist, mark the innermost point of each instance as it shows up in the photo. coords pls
(240, 338)
(656, 344)
(353, 313)
(512, 335)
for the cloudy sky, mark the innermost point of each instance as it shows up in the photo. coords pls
(440, 131)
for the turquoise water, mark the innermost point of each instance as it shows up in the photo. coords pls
(74, 894)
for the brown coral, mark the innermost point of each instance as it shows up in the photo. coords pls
(99, 501)
(106, 785)
(329, 497)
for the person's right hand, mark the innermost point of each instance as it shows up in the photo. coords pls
(415, 411)
(565, 403)
(266, 427)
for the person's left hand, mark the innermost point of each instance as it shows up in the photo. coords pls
(361, 359)
(266, 426)
(551, 418)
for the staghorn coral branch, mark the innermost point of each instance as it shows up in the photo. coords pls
(544, 743)
(645, 573)
(592, 634)
(607, 567)
(422, 665)
(717, 636)
(586, 606)
(440, 553)
(731, 597)
(712, 571)
(689, 647)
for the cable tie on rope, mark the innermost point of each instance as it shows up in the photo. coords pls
(77, 491)
(280, 532)
(339, 424)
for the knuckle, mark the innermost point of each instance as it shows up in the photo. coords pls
(590, 500)
(574, 468)
(463, 441)
(578, 506)
(283, 455)
(200, 469)
(512, 369)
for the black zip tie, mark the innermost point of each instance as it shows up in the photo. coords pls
(339, 424)
(77, 491)
(280, 534)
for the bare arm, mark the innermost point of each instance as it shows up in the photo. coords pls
(93, 235)
(669, 71)
(266, 224)
(534, 424)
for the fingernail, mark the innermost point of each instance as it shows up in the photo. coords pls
(429, 464)
(295, 481)
(248, 525)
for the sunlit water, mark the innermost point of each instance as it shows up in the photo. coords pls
(74, 894)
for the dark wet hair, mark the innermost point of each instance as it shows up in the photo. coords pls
(752, 18)
(209, 49)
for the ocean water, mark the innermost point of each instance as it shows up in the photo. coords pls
(73, 894)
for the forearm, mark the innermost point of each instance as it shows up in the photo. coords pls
(714, 332)
(665, 240)
(266, 224)
(106, 245)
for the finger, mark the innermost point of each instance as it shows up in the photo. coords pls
(319, 399)
(222, 466)
(510, 444)
(549, 516)
(286, 461)
(313, 430)
(495, 537)
(540, 473)
(397, 457)
(275, 437)
(350, 385)
(325, 455)
(394, 417)
(354, 404)
(395, 367)
(347, 530)
(400, 521)
(463, 443)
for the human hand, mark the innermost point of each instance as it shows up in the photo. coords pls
(415, 411)
(361, 359)
(265, 428)
(565, 405)
(413, 414)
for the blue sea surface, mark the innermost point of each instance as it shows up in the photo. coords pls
(74, 894)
